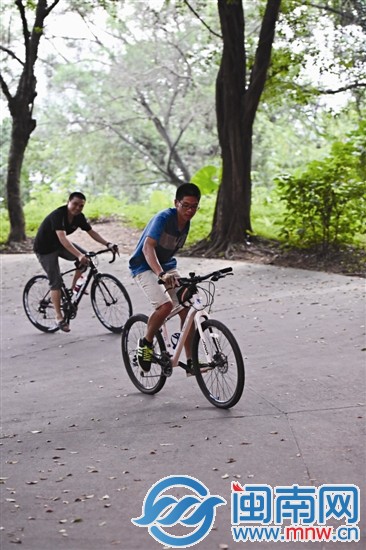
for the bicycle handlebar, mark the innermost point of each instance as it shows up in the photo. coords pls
(91, 255)
(113, 251)
(213, 276)
(193, 279)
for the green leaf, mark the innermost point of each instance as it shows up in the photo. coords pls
(207, 179)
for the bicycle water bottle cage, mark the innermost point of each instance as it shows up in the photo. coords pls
(174, 339)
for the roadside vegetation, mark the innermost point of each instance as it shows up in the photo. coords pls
(140, 101)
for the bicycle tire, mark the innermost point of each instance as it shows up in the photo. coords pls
(223, 385)
(111, 302)
(37, 304)
(154, 380)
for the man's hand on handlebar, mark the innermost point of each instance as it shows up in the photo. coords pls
(113, 247)
(168, 279)
(83, 260)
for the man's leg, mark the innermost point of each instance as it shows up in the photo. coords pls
(162, 305)
(56, 302)
(63, 253)
(157, 319)
(50, 264)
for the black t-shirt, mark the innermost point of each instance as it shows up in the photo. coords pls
(46, 240)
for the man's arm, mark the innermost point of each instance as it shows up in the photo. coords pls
(70, 247)
(149, 250)
(98, 238)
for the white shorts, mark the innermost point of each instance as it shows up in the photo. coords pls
(157, 294)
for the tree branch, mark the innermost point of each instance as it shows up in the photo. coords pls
(262, 56)
(12, 54)
(352, 86)
(26, 33)
(201, 20)
(5, 89)
(332, 10)
(50, 8)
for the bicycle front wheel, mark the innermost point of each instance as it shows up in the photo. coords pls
(111, 302)
(222, 380)
(147, 382)
(37, 304)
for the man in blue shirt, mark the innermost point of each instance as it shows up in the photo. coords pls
(154, 259)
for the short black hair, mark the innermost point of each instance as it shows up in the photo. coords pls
(187, 190)
(78, 195)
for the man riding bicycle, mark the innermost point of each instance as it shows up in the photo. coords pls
(52, 243)
(153, 259)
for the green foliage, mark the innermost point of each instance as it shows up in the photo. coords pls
(267, 208)
(208, 179)
(41, 203)
(325, 203)
(104, 206)
(137, 215)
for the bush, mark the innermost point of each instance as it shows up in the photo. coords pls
(325, 204)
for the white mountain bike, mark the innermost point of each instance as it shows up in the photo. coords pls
(216, 357)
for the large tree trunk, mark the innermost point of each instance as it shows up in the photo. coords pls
(22, 127)
(232, 212)
(21, 107)
(236, 106)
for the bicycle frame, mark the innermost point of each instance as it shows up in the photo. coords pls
(76, 299)
(216, 359)
(197, 315)
(72, 302)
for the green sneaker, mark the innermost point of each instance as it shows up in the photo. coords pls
(144, 355)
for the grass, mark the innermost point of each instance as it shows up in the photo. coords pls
(266, 213)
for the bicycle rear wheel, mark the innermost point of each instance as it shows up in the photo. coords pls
(37, 304)
(147, 382)
(111, 302)
(223, 384)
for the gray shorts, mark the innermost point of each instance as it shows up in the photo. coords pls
(157, 294)
(50, 264)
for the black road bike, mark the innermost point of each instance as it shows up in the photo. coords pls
(110, 299)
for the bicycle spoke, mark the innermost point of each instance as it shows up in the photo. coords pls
(111, 302)
(224, 383)
(147, 382)
(37, 304)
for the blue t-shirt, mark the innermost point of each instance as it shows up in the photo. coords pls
(163, 228)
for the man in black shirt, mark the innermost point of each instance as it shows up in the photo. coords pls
(51, 242)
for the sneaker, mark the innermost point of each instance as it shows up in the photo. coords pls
(190, 369)
(144, 355)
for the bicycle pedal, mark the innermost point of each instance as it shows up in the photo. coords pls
(167, 371)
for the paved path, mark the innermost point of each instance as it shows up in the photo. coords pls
(81, 447)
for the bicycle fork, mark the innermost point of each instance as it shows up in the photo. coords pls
(107, 296)
(199, 318)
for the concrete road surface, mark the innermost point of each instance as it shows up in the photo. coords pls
(81, 447)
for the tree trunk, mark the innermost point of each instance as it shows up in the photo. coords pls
(21, 108)
(236, 106)
(22, 126)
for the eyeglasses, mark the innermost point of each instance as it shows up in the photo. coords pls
(187, 206)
